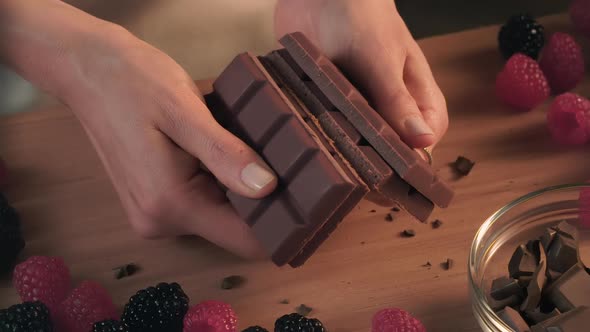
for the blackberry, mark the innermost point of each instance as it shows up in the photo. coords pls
(26, 317)
(109, 325)
(255, 329)
(521, 34)
(155, 309)
(11, 239)
(296, 323)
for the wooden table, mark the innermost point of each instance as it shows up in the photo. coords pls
(70, 209)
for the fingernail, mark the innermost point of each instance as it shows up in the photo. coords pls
(256, 177)
(417, 127)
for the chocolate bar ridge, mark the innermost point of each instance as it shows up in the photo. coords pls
(317, 188)
(366, 120)
(387, 187)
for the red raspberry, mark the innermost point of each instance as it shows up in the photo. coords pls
(521, 84)
(44, 279)
(88, 304)
(211, 316)
(568, 119)
(396, 320)
(584, 207)
(580, 15)
(562, 62)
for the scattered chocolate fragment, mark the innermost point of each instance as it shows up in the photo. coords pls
(447, 265)
(436, 223)
(505, 287)
(408, 233)
(303, 310)
(389, 217)
(363, 242)
(463, 165)
(522, 263)
(233, 281)
(537, 316)
(373, 211)
(126, 270)
(284, 301)
(537, 283)
(563, 253)
(513, 319)
(427, 264)
(395, 209)
(571, 290)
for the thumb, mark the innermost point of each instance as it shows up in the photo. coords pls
(233, 163)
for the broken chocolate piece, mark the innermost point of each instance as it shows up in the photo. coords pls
(563, 253)
(303, 310)
(126, 270)
(436, 224)
(547, 238)
(566, 229)
(427, 264)
(522, 263)
(389, 217)
(575, 320)
(284, 301)
(512, 301)
(463, 166)
(505, 287)
(395, 209)
(535, 286)
(408, 233)
(537, 316)
(513, 319)
(231, 282)
(447, 265)
(571, 290)
(553, 275)
(373, 211)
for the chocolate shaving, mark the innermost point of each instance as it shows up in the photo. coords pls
(463, 165)
(436, 224)
(389, 217)
(126, 270)
(447, 265)
(233, 281)
(303, 310)
(408, 233)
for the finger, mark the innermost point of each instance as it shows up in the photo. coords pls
(233, 163)
(426, 93)
(378, 68)
(207, 213)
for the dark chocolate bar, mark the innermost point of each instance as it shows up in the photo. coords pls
(326, 159)
(373, 128)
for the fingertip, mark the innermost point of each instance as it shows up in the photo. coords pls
(259, 179)
(421, 141)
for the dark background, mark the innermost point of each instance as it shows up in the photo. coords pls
(433, 17)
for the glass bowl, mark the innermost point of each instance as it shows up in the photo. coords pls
(521, 220)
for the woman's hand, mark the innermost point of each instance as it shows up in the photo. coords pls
(147, 121)
(371, 43)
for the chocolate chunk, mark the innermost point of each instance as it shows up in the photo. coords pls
(512, 301)
(284, 301)
(436, 224)
(303, 310)
(537, 316)
(571, 290)
(535, 286)
(463, 166)
(408, 233)
(522, 263)
(389, 217)
(373, 211)
(547, 238)
(575, 320)
(231, 282)
(395, 209)
(447, 265)
(566, 229)
(553, 275)
(126, 270)
(513, 319)
(505, 287)
(563, 253)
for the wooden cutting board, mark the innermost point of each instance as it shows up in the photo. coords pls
(70, 209)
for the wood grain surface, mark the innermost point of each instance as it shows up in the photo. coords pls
(70, 209)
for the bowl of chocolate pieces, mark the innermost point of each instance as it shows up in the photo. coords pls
(527, 263)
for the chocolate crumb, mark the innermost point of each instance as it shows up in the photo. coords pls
(231, 282)
(373, 211)
(408, 233)
(395, 209)
(463, 165)
(363, 242)
(447, 265)
(284, 301)
(303, 310)
(389, 217)
(126, 270)
(436, 224)
(428, 265)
